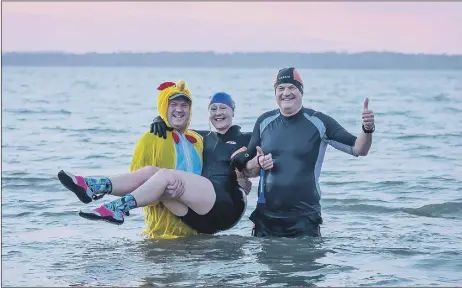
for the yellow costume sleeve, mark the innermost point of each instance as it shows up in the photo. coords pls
(144, 153)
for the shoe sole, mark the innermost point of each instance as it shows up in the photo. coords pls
(91, 216)
(69, 183)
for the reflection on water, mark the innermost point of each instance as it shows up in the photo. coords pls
(234, 260)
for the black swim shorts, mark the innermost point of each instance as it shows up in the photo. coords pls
(229, 207)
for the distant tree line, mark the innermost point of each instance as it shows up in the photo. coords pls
(327, 60)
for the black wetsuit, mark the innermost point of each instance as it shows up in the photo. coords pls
(229, 205)
(289, 195)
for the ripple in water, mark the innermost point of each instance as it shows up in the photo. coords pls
(390, 219)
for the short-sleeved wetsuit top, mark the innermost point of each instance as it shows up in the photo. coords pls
(229, 204)
(289, 193)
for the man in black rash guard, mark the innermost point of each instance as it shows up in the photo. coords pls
(297, 138)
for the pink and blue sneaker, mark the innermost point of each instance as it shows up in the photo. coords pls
(113, 216)
(78, 185)
(112, 212)
(81, 189)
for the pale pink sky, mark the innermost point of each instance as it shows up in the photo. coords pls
(227, 27)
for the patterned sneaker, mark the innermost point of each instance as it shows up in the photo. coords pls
(105, 214)
(77, 185)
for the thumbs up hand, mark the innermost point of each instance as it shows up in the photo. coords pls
(265, 161)
(260, 151)
(368, 116)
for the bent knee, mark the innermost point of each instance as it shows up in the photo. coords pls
(151, 170)
(166, 174)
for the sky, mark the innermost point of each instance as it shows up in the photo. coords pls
(408, 27)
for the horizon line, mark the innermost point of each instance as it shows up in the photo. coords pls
(225, 52)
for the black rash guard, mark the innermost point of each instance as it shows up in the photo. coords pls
(289, 194)
(229, 205)
(218, 149)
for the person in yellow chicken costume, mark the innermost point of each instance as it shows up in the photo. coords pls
(177, 202)
(182, 150)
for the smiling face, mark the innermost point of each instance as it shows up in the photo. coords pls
(221, 116)
(289, 99)
(178, 113)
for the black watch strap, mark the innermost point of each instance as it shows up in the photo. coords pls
(368, 131)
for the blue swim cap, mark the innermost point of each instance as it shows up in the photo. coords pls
(223, 98)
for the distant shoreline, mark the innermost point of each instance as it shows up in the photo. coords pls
(323, 60)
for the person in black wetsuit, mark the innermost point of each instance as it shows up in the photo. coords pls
(297, 138)
(219, 146)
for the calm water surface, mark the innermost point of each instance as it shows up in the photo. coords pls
(393, 218)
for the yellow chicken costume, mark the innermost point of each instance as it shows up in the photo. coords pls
(178, 151)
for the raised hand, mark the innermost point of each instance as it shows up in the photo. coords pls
(368, 116)
(265, 161)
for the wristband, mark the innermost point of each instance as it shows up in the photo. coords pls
(368, 131)
(258, 161)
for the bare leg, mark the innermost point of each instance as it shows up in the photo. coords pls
(199, 195)
(126, 183)
(121, 185)
(175, 206)
(89, 188)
